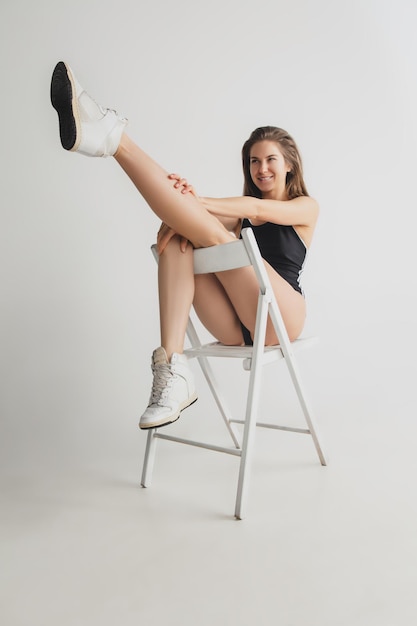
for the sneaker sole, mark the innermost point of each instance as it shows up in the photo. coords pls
(64, 101)
(171, 420)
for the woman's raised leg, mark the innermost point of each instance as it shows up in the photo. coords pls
(184, 213)
(93, 130)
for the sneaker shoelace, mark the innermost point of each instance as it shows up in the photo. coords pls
(106, 110)
(163, 377)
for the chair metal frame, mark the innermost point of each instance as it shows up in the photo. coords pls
(241, 253)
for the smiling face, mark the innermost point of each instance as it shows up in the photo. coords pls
(268, 169)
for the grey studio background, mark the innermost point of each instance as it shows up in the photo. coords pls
(81, 543)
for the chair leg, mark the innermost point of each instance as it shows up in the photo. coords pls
(295, 377)
(254, 389)
(212, 383)
(247, 450)
(219, 399)
(149, 459)
(308, 414)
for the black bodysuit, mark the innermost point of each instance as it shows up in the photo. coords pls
(284, 250)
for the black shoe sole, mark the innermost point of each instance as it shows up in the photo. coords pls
(64, 101)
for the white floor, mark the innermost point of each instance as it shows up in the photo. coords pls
(83, 544)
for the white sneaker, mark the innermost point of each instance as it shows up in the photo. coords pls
(84, 126)
(172, 390)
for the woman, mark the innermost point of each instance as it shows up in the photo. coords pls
(275, 204)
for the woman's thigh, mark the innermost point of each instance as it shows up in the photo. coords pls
(242, 289)
(224, 300)
(215, 310)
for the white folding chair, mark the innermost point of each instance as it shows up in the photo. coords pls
(241, 253)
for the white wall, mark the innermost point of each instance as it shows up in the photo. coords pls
(78, 290)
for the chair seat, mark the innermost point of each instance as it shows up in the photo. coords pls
(270, 355)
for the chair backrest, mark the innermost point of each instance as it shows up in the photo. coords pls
(229, 256)
(233, 255)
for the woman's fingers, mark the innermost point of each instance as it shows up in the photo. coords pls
(183, 244)
(165, 235)
(188, 189)
(181, 183)
(177, 178)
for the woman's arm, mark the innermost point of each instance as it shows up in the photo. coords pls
(232, 224)
(301, 211)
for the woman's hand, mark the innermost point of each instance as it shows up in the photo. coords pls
(182, 184)
(165, 234)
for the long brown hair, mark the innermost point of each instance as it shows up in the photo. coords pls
(294, 183)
